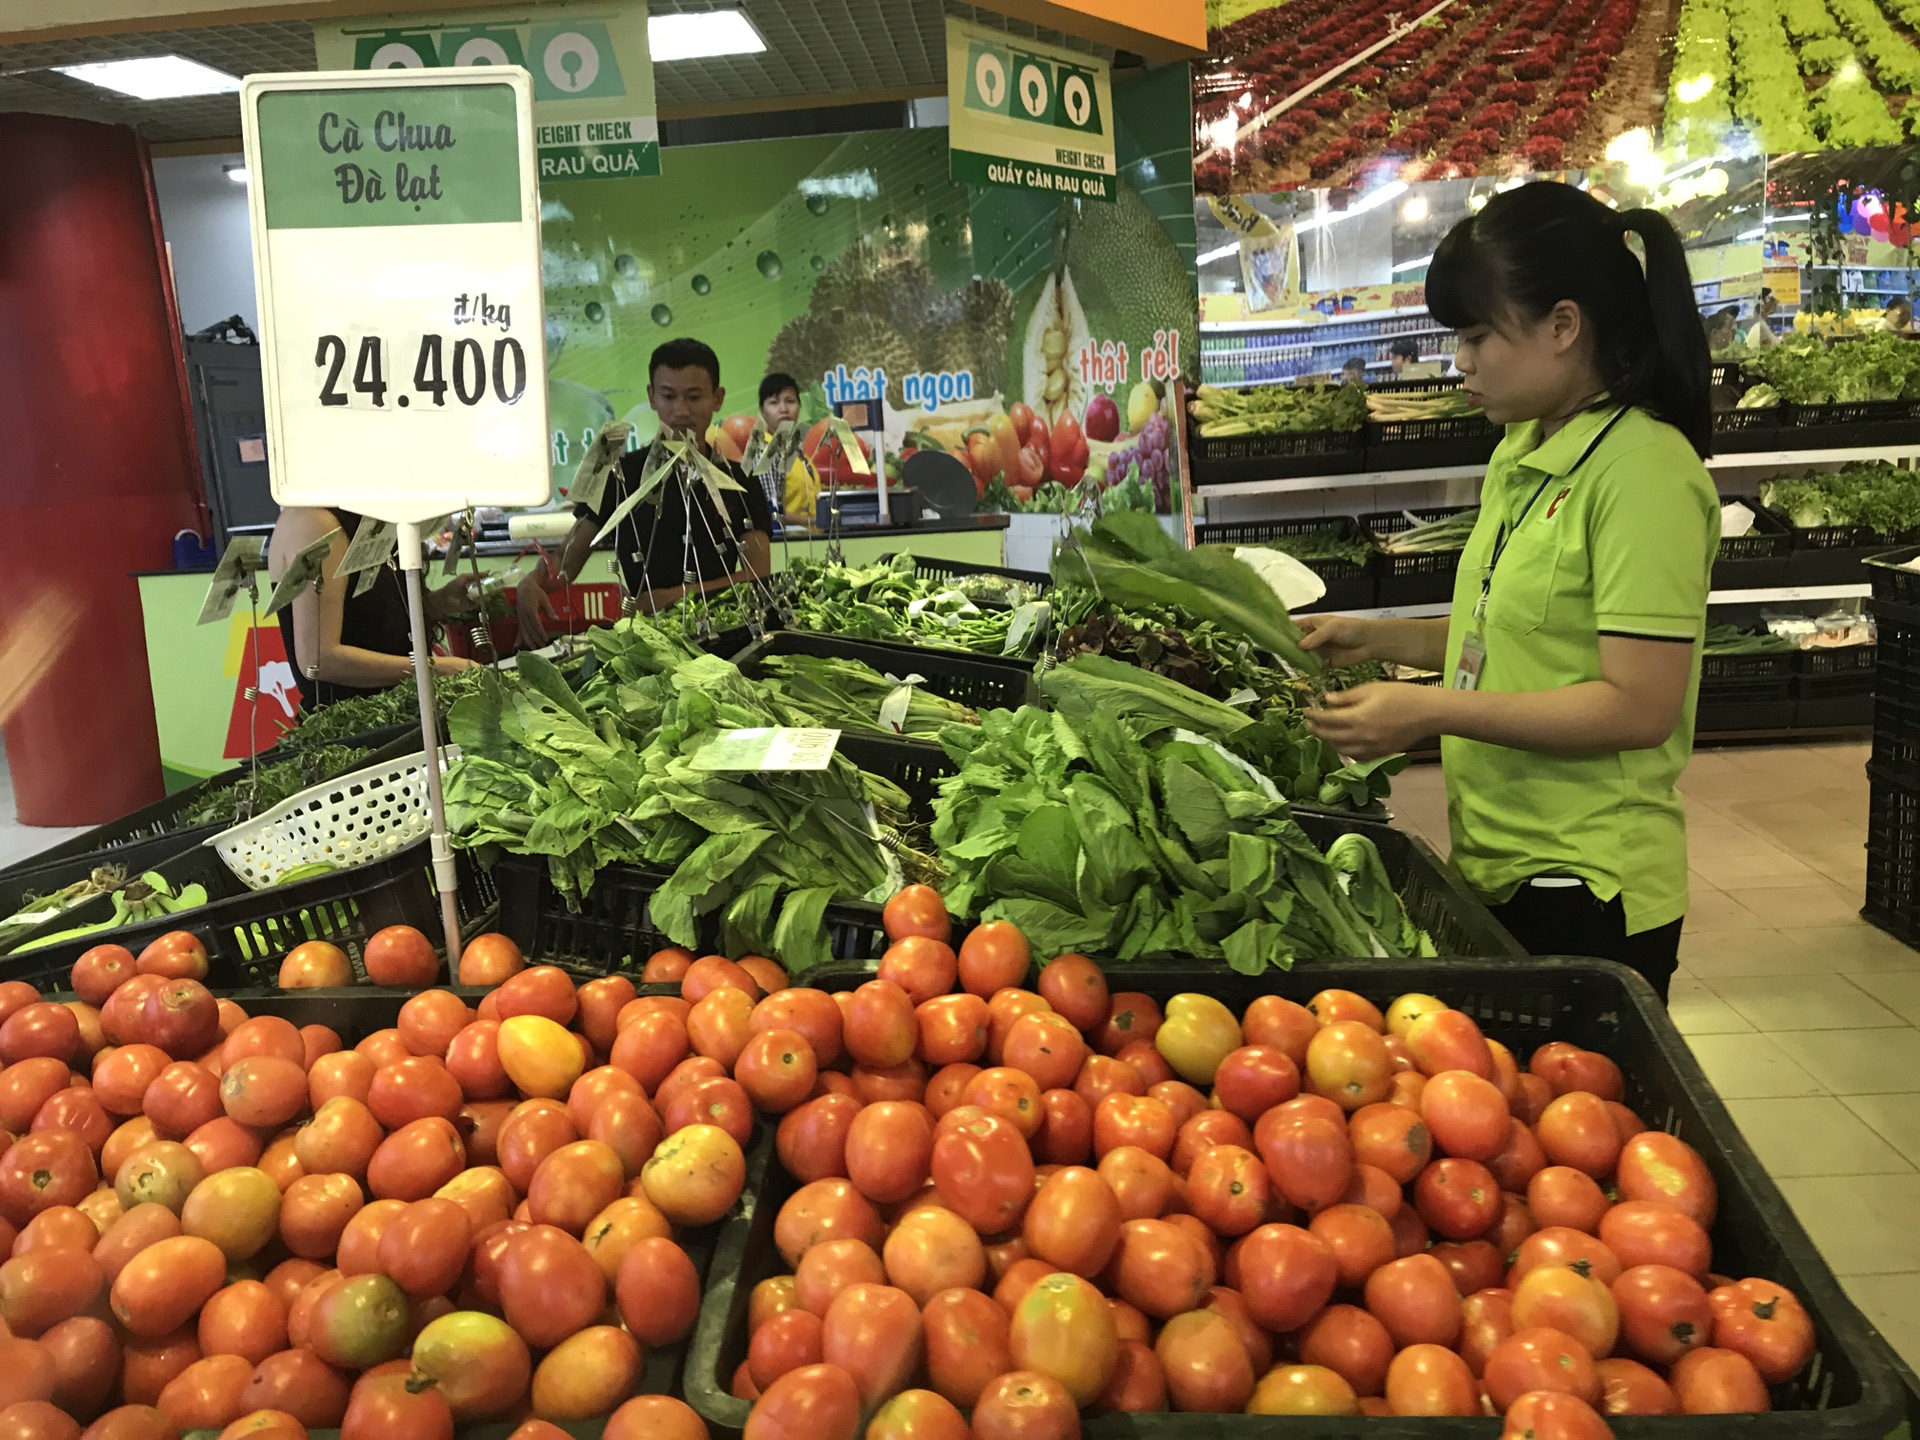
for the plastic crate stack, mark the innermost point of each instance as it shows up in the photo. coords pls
(1893, 812)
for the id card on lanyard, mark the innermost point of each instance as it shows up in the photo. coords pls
(1473, 647)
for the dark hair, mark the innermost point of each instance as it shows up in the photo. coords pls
(776, 384)
(1538, 244)
(1353, 362)
(685, 355)
(1409, 348)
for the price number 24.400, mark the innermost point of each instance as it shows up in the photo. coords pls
(462, 366)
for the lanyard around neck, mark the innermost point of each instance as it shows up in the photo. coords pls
(1506, 530)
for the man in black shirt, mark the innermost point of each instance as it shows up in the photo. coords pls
(671, 533)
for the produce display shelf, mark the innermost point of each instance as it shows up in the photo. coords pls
(1756, 559)
(1834, 687)
(1890, 579)
(930, 567)
(248, 932)
(355, 1014)
(1747, 692)
(981, 682)
(1349, 583)
(1440, 440)
(1291, 453)
(1852, 1390)
(159, 819)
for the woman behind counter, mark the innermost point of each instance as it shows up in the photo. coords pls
(353, 643)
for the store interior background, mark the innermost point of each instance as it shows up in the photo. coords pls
(1806, 1018)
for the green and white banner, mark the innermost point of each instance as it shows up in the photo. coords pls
(592, 73)
(1028, 116)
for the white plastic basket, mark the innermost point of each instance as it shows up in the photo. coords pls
(345, 822)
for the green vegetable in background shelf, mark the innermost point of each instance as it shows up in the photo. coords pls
(1277, 409)
(1882, 497)
(849, 695)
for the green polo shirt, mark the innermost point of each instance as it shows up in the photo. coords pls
(1621, 545)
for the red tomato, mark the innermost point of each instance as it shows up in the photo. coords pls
(1205, 1365)
(1659, 1167)
(1474, 1264)
(1562, 1298)
(1449, 1040)
(967, 1344)
(550, 1285)
(1415, 1298)
(873, 1332)
(1347, 1063)
(401, 955)
(1047, 1047)
(1642, 1232)
(1335, 1007)
(984, 1172)
(177, 955)
(1303, 1390)
(1391, 1138)
(1466, 1115)
(1519, 1160)
(1308, 1156)
(1629, 1388)
(1457, 1198)
(889, 1150)
(1130, 1016)
(1544, 1415)
(1228, 1189)
(828, 1209)
(1562, 1195)
(1664, 1313)
(1539, 1359)
(812, 1013)
(1103, 1075)
(1430, 1380)
(1713, 1381)
(923, 967)
(813, 1402)
(1063, 1328)
(1073, 1222)
(786, 1342)
(1575, 1129)
(1075, 987)
(1025, 1405)
(932, 1249)
(1767, 1324)
(1361, 1240)
(879, 1024)
(1557, 1245)
(917, 910)
(1286, 1275)
(1066, 1135)
(1253, 1079)
(1352, 1343)
(994, 955)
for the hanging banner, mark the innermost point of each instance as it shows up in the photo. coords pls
(396, 251)
(1269, 253)
(1028, 116)
(592, 73)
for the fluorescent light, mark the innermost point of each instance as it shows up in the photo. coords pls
(698, 36)
(237, 174)
(1222, 253)
(1414, 210)
(156, 77)
(1373, 200)
(1413, 264)
(1753, 234)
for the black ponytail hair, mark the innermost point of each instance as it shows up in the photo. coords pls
(1538, 244)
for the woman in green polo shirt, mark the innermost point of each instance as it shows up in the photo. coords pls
(1571, 659)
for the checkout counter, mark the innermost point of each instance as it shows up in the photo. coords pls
(200, 673)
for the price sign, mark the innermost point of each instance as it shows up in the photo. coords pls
(396, 241)
(783, 748)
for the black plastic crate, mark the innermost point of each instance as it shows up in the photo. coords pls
(248, 932)
(1350, 584)
(135, 858)
(982, 682)
(1896, 736)
(1893, 852)
(1433, 895)
(1414, 579)
(1290, 455)
(1835, 687)
(1891, 582)
(1837, 554)
(1746, 692)
(1897, 652)
(1743, 432)
(1854, 422)
(932, 567)
(1758, 559)
(162, 817)
(1852, 1390)
(1423, 444)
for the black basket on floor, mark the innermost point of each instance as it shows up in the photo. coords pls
(932, 567)
(1425, 579)
(1893, 852)
(1852, 1390)
(1350, 583)
(1430, 443)
(1758, 559)
(162, 818)
(1435, 899)
(248, 933)
(981, 682)
(1835, 687)
(1290, 455)
(1746, 692)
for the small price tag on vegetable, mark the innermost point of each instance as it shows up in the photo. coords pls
(769, 748)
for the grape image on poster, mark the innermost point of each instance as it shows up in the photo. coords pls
(979, 316)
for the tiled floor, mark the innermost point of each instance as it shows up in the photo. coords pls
(1802, 1014)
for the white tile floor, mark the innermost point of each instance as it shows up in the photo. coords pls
(1806, 1018)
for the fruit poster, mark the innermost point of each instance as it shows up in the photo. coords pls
(1035, 337)
(1354, 92)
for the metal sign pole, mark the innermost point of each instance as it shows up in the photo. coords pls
(444, 875)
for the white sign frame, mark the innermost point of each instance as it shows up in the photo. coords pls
(415, 464)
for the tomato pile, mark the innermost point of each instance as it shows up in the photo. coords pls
(1029, 1203)
(223, 1222)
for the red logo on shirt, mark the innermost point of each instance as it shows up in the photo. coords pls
(1557, 499)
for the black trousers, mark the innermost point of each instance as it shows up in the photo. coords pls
(1569, 920)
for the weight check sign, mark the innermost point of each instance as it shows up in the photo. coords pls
(1028, 116)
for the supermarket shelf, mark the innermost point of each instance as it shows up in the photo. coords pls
(1758, 459)
(1774, 595)
(1208, 327)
